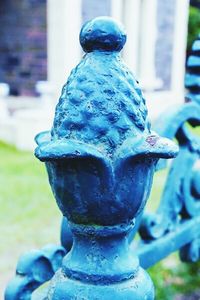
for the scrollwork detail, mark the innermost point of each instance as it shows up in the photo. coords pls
(180, 198)
(33, 269)
(191, 251)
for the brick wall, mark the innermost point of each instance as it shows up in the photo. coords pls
(23, 44)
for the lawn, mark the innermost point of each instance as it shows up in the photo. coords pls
(29, 218)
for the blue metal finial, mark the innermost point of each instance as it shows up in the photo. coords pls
(101, 103)
(100, 158)
(102, 34)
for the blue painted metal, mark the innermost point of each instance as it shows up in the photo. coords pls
(177, 200)
(175, 224)
(185, 236)
(33, 269)
(100, 159)
(192, 78)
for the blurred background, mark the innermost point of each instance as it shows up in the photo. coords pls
(39, 45)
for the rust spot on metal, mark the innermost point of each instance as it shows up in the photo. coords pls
(152, 139)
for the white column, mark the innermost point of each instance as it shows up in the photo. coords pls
(46, 92)
(6, 122)
(131, 19)
(128, 13)
(4, 92)
(117, 9)
(179, 47)
(148, 35)
(63, 49)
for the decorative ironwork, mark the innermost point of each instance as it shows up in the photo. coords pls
(176, 223)
(33, 269)
(100, 157)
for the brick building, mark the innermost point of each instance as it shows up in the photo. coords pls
(23, 44)
(39, 41)
(153, 27)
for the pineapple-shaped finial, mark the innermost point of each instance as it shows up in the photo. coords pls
(101, 103)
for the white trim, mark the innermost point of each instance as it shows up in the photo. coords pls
(179, 45)
(63, 49)
(159, 102)
(117, 10)
(148, 36)
(131, 19)
(128, 13)
(139, 19)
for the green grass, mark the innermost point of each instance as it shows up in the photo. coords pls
(26, 201)
(29, 218)
(172, 277)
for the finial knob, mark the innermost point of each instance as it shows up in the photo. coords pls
(103, 34)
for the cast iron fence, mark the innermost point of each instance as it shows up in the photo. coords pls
(101, 155)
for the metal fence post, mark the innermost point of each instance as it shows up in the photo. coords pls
(100, 157)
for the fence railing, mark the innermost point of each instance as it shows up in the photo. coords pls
(100, 156)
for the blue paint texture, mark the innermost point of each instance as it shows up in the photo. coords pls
(100, 157)
(86, 111)
(33, 269)
(175, 224)
(192, 77)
